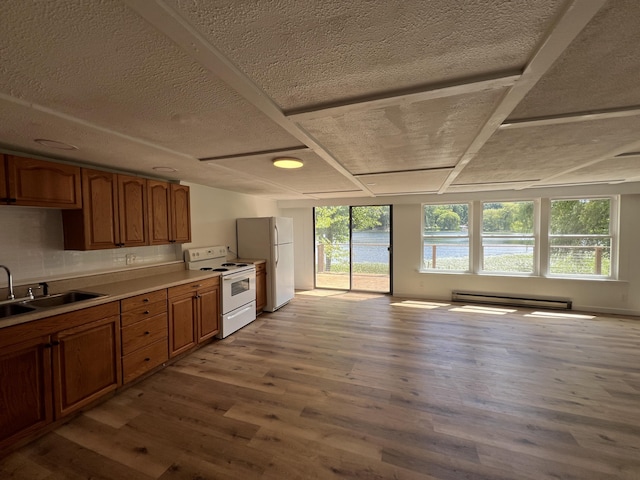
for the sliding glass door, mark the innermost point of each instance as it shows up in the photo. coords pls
(353, 248)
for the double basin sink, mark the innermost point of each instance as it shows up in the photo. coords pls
(10, 309)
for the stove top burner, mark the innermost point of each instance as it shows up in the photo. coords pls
(220, 269)
(206, 268)
(229, 264)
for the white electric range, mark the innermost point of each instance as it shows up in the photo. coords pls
(238, 286)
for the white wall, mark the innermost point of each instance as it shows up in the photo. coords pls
(303, 238)
(32, 246)
(620, 296)
(31, 239)
(214, 213)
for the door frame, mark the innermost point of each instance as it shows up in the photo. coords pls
(390, 249)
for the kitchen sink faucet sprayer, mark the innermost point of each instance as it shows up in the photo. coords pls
(11, 296)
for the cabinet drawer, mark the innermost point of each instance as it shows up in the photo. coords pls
(143, 333)
(145, 359)
(143, 312)
(193, 286)
(142, 300)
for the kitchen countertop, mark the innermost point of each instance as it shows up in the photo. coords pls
(113, 292)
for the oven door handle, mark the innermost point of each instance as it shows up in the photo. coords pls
(231, 278)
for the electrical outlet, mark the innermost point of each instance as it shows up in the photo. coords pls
(130, 258)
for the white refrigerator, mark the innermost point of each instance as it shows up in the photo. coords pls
(270, 238)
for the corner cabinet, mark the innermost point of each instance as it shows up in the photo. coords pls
(169, 213)
(38, 183)
(114, 213)
(194, 314)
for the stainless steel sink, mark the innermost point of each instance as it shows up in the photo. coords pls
(10, 309)
(63, 299)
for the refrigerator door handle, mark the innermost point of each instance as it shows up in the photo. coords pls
(277, 244)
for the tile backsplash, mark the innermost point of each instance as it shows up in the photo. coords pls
(31, 246)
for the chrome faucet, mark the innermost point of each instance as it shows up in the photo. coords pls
(11, 296)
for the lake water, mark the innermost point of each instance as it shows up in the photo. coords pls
(371, 247)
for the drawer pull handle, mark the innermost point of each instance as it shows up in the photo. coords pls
(147, 359)
(147, 333)
(197, 286)
(146, 312)
(145, 300)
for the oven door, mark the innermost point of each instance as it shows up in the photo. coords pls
(238, 289)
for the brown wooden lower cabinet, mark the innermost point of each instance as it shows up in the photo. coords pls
(261, 286)
(25, 389)
(194, 312)
(86, 364)
(47, 372)
(63, 363)
(144, 332)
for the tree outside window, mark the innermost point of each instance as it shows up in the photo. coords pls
(445, 239)
(580, 237)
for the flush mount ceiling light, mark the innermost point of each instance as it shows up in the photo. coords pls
(55, 144)
(287, 162)
(165, 169)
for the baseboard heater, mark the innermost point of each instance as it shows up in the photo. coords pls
(511, 300)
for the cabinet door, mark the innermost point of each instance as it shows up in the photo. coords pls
(4, 191)
(96, 226)
(182, 326)
(180, 213)
(43, 184)
(208, 313)
(25, 389)
(86, 364)
(132, 201)
(261, 288)
(159, 196)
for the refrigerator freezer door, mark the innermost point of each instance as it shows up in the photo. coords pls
(254, 237)
(283, 230)
(282, 283)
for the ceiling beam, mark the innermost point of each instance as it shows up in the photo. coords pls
(404, 98)
(173, 25)
(84, 123)
(624, 151)
(572, 118)
(575, 17)
(257, 154)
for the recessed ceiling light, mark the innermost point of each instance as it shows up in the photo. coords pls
(165, 169)
(55, 144)
(287, 162)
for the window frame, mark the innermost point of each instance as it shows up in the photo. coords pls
(468, 236)
(532, 236)
(613, 238)
(541, 235)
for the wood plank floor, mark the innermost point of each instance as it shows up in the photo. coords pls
(365, 386)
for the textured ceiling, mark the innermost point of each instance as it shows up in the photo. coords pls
(377, 97)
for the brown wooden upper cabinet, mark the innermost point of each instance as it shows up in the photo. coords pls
(169, 213)
(38, 183)
(114, 213)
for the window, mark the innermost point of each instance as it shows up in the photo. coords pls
(580, 237)
(508, 239)
(546, 237)
(445, 237)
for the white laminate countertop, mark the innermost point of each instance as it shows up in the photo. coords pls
(113, 292)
